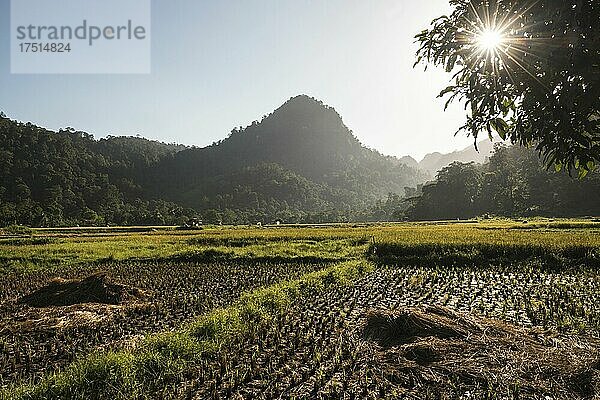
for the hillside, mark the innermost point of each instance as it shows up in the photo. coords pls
(68, 178)
(299, 164)
(303, 140)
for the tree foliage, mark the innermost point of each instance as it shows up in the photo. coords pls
(513, 183)
(539, 86)
(68, 178)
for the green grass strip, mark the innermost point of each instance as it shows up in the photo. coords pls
(156, 365)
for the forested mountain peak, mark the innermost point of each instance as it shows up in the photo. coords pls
(303, 107)
(304, 136)
(302, 127)
(316, 155)
(309, 113)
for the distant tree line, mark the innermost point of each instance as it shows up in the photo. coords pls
(513, 183)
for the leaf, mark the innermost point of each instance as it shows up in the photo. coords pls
(500, 126)
(446, 91)
(451, 62)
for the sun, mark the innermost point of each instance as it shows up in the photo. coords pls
(490, 39)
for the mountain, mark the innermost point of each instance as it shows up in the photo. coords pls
(409, 161)
(299, 164)
(304, 140)
(433, 162)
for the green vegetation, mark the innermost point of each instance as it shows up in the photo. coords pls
(17, 230)
(50, 251)
(514, 182)
(49, 248)
(535, 84)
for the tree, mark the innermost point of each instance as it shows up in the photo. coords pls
(454, 194)
(505, 190)
(512, 183)
(529, 70)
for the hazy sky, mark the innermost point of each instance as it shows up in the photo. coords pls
(219, 64)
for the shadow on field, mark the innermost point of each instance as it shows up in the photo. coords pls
(428, 347)
(482, 255)
(264, 240)
(214, 255)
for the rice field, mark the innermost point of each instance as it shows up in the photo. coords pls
(469, 309)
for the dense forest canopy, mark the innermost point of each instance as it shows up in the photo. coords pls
(68, 178)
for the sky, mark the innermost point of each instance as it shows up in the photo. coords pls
(220, 64)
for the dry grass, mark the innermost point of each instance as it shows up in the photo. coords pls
(51, 319)
(96, 288)
(427, 348)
